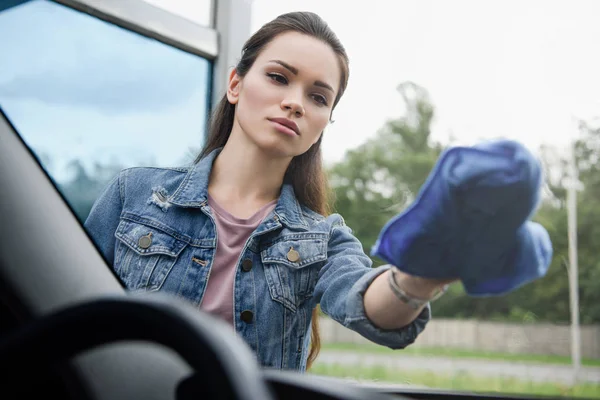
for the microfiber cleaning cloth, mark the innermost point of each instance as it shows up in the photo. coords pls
(470, 221)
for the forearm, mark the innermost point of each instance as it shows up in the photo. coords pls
(387, 311)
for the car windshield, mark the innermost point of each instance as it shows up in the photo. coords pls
(91, 98)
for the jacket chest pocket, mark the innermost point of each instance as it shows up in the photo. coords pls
(292, 266)
(144, 255)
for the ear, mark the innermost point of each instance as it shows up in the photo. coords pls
(234, 86)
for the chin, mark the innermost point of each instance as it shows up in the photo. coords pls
(277, 148)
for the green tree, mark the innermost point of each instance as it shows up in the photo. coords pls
(553, 215)
(82, 190)
(379, 178)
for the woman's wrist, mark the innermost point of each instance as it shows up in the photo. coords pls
(418, 287)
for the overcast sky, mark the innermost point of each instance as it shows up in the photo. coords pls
(511, 68)
(506, 68)
(518, 69)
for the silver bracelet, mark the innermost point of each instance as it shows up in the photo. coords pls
(402, 295)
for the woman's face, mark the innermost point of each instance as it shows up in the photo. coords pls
(285, 100)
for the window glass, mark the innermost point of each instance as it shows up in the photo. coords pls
(428, 75)
(90, 98)
(198, 11)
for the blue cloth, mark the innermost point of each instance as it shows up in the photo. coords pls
(470, 220)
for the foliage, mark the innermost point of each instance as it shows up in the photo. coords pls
(381, 177)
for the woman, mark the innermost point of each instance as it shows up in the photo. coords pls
(243, 233)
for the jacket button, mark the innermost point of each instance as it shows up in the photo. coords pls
(247, 316)
(145, 241)
(247, 265)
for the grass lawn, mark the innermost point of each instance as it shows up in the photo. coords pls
(459, 382)
(457, 353)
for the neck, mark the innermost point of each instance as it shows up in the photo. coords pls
(244, 174)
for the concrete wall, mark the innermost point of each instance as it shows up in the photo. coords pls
(531, 338)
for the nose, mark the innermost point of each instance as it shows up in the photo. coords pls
(292, 103)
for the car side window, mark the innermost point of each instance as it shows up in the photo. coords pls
(90, 98)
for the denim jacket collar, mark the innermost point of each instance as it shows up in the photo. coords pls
(193, 192)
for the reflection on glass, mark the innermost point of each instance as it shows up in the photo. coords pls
(90, 98)
(198, 11)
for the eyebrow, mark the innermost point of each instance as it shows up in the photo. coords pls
(294, 71)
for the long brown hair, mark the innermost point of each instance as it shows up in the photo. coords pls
(305, 171)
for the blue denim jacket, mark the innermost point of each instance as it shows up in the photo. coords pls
(154, 226)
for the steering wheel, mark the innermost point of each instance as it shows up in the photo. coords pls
(222, 362)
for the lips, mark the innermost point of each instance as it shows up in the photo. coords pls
(287, 123)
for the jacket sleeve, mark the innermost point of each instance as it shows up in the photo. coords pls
(343, 282)
(101, 224)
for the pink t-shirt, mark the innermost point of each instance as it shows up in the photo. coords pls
(232, 234)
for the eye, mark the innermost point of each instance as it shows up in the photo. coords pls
(278, 78)
(319, 98)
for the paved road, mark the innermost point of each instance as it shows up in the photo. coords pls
(524, 371)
